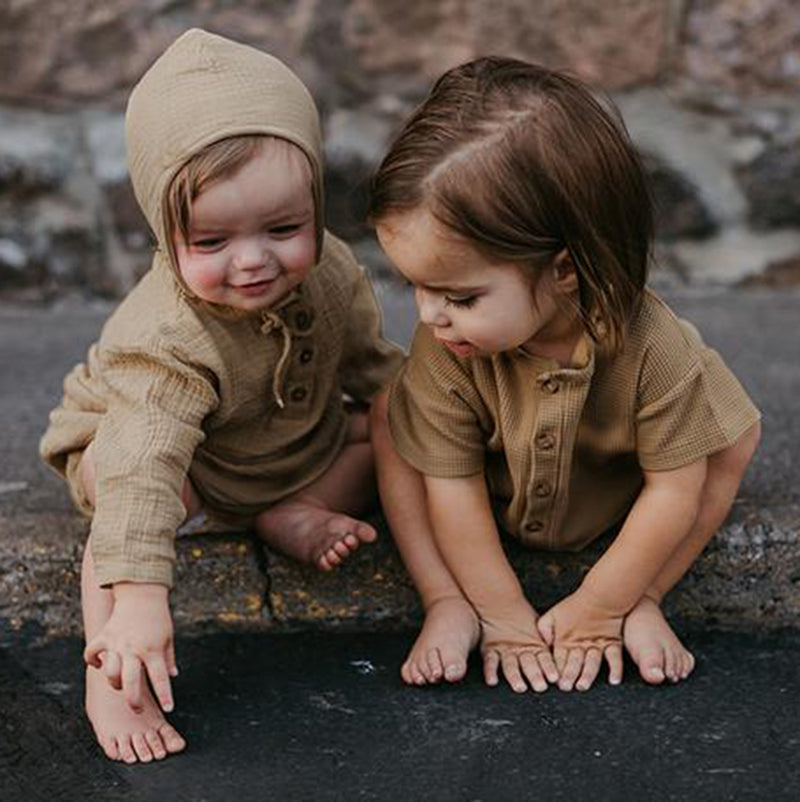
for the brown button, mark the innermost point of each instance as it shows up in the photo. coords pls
(534, 526)
(298, 394)
(550, 386)
(306, 355)
(545, 441)
(543, 489)
(302, 320)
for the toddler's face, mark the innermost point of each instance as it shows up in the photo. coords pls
(252, 236)
(472, 304)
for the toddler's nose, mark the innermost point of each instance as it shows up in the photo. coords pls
(252, 254)
(431, 309)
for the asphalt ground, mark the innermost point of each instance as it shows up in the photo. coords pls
(322, 716)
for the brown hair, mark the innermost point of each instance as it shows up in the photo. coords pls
(213, 163)
(524, 162)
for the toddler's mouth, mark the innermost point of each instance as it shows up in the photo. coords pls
(461, 349)
(254, 287)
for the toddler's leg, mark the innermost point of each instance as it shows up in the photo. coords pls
(451, 629)
(123, 734)
(647, 635)
(315, 525)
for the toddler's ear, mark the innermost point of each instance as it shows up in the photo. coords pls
(564, 272)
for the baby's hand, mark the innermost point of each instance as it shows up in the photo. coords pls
(512, 642)
(581, 634)
(137, 636)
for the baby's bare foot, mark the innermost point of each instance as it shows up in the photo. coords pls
(123, 734)
(653, 645)
(450, 632)
(312, 533)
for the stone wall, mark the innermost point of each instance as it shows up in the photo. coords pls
(708, 88)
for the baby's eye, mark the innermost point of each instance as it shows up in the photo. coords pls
(462, 303)
(207, 243)
(285, 230)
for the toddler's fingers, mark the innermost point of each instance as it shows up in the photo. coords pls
(613, 656)
(572, 669)
(510, 663)
(132, 682)
(491, 660)
(548, 666)
(159, 679)
(112, 668)
(591, 668)
(533, 672)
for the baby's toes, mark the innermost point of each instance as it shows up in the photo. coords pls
(126, 752)
(141, 747)
(156, 744)
(365, 533)
(341, 548)
(170, 738)
(109, 745)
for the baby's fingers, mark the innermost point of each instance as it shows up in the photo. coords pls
(112, 668)
(591, 668)
(159, 679)
(132, 682)
(91, 654)
(613, 655)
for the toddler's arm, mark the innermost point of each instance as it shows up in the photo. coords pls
(467, 537)
(588, 623)
(137, 638)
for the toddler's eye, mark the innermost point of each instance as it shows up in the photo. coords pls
(462, 303)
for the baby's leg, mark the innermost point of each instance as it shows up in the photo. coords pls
(315, 525)
(123, 734)
(647, 635)
(451, 629)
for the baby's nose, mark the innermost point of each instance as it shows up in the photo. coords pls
(252, 253)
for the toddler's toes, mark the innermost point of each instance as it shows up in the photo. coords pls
(435, 670)
(109, 746)
(365, 533)
(688, 665)
(671, 660)
(126, 753)
(651, 666)
(341, 548)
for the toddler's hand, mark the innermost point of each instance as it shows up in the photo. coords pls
(512, 642)
(137, 638)
(581, 634)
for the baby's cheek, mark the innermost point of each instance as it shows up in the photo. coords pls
(201, 278)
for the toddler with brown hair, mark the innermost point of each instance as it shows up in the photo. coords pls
(545, 385)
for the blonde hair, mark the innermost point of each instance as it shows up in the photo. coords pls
(524, 163)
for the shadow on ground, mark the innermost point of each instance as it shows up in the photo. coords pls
(323, 716)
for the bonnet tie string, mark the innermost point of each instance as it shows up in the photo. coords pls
(270, 322)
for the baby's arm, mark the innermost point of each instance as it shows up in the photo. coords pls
(467, 537)
(137, 639)
(587, 625)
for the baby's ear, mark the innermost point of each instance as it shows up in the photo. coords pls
(564, 273)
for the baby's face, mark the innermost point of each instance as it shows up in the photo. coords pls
(472, 305)
(252, 237)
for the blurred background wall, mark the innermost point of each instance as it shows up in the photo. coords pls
(710, 90)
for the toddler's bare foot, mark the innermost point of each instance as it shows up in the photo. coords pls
(123, 734)
(450, 632)
(653, 645)
(312, 533)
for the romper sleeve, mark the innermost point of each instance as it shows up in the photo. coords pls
(369, 361)
(435, 412)
(143, 447)
(689, 404)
